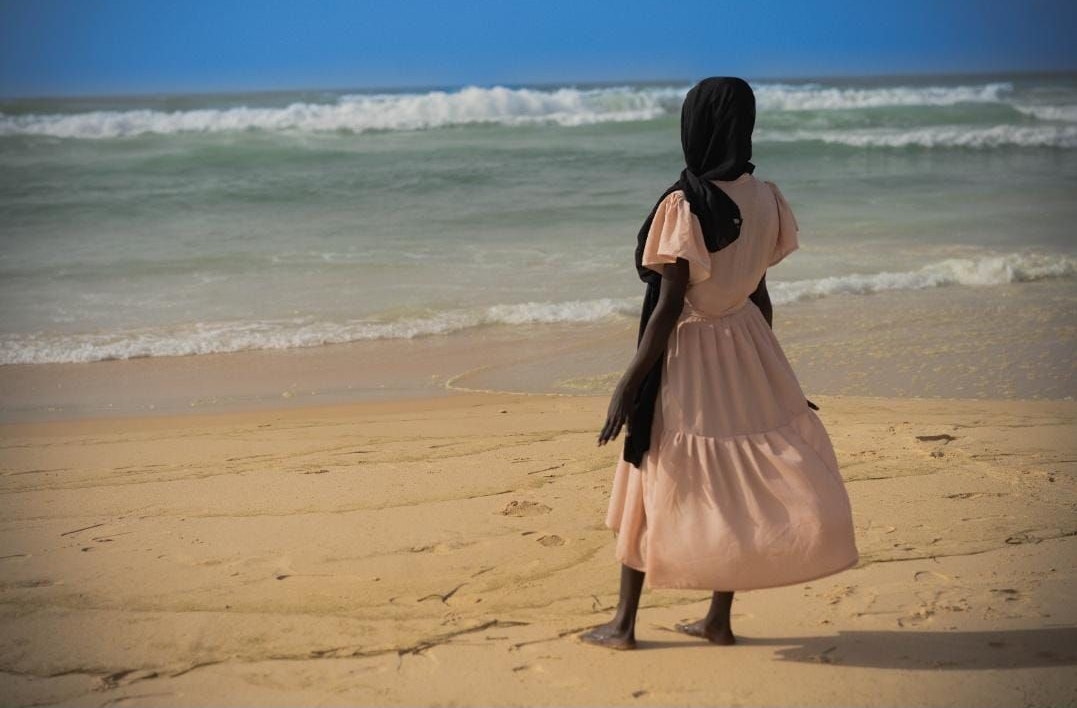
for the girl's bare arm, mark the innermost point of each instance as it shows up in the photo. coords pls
(652, 345)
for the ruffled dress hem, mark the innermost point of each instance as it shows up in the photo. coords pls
(805, 579)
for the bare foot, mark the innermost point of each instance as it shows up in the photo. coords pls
(610, 636)
(723, 636)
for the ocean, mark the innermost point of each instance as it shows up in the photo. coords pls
(160, 226)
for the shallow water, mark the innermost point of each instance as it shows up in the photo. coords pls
(198, 224)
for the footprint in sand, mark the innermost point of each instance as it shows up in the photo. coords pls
(931, 603)
(930, 575)
(922, 614)
(836, 595)
(524, 508)
(438, 548)
(1008, 594)
(551, 540)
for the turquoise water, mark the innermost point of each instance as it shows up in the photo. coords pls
(192, 224)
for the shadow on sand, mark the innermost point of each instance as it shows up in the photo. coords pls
(995, 649)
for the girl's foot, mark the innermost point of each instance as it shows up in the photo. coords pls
(715, 635)
(610, 636)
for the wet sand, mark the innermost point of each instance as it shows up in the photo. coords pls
(448, 550)
(1014, 342)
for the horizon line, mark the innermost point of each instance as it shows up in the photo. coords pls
(401, 88)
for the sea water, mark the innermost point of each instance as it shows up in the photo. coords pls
(182, 225)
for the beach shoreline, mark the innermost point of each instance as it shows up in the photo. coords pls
(1009, 341)
(448, 549)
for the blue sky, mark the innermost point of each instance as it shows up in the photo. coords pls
(59, 47)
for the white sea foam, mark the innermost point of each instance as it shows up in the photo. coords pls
(208, 338)
(973, 272)
(813, 97)
(360, 113)
(205, 338)
(940, 136)
(1066, 113)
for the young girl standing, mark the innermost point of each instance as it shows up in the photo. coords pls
(728, 480)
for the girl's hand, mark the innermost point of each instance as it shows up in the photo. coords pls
(621, 405)
(651, 347)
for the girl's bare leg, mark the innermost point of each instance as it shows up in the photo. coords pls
(621, 632)
(715, 626)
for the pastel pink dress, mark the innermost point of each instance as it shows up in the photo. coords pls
(740, 488)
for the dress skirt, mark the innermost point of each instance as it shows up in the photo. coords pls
(740, 488)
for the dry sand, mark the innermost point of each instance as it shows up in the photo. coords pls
(447, 551)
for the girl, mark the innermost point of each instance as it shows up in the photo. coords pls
(728, 480)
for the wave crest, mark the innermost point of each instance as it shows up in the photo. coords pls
(1061, 113)
(972, 272)
(222, 337)
(943, 136)
(364, 113)
(207, 338)
(814, 97)
(359, 113)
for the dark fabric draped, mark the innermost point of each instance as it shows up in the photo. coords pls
(717, 119)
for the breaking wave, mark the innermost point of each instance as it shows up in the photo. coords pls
(211, 338)
(941, 136)
(360, 113)
(973, 272)
(207, 338)
(815, 97)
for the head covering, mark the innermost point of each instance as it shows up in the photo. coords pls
(717, 119)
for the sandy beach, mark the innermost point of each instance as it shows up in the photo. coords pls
(447, 550)
(300, 385)
(310, 317)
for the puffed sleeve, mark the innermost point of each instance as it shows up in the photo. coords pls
(675, 233)
(787, 227)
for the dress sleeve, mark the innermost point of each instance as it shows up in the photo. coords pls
(675, 233)
(787, 227)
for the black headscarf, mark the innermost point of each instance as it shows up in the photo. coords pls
(717, 119)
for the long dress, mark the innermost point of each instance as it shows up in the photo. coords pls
(740, 488)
